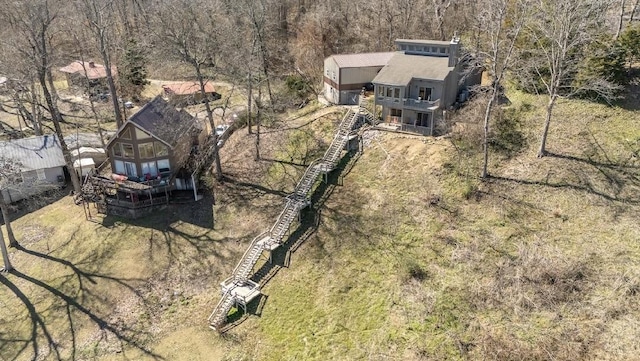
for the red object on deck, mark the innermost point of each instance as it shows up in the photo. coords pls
(119, 177)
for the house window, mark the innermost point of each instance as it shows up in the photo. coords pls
(41, 175)
(424, 120)
(381, 90)
(442, 50)
(333, 74)
(396, 93)
(327, 73)
(130, 169)
(117, 150)
(433, 49)
(424, 93)
(126, 134)
(141, 135)
(146, 150)
(127, 168)
(119, 165)
(412, 48)
(396, 112)
(163, 166)
(389, 91)
(150, 169)
(403, 47)
(124, 150)
(161, 149)
(127, 150)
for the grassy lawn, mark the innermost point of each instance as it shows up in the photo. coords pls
(404, 257)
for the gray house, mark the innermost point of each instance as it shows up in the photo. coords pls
(40, 163)
(346, 74)
(419, 81)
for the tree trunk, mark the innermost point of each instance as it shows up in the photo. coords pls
(110, 82)
(258, 121)
(207, 107)
(249, 89)
(7, 222)
(543, 143)
(5, 255)
(633, 11)
(56, 118)
(620, 19)
(35, 112)
(485, 141)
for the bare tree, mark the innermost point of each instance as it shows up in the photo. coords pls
(100, 16)
(190, 30)
(559, 30)
(32, 26)
(8, 171)
(634, 9)
(500, 39)
(5, 255)
(620, 18)
(440, 8)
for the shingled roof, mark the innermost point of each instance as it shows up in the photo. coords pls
(165, 122)
(404, 67)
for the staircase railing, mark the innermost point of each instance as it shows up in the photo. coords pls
(242, 276)
(219, 314)
(276, 233)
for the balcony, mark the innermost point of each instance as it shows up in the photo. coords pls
(421, 104)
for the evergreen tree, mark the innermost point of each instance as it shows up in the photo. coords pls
(630, 43)
(134, 71)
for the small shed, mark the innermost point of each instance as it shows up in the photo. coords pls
(84, 166)
(87, 73)
(98, 155)
(40, 162)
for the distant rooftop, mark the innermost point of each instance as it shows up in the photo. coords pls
(362, 59)
(187, 88)
(403, 67)
(94, 71)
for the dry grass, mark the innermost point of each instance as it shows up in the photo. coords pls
(410, 259)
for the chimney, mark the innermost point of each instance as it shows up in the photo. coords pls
(92, 64)
(454, 49)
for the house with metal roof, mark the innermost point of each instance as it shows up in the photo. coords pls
(420, 81)
(39, 163)
(346, 74)
(87, 74)
(186, 93)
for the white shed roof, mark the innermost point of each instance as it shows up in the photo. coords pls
(362, 60)
(40, 152)
(84, 163)
(86, 150)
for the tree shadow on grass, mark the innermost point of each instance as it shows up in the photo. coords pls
(125, 336)
(37, 322)
(612, 180)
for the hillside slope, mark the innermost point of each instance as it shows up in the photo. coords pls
(406, 257)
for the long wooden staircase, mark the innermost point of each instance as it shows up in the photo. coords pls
(239, 289)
